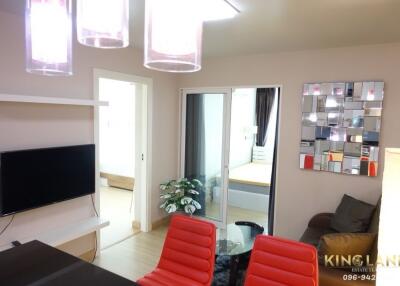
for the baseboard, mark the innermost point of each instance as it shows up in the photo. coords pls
(88, 256)
(136, 224)
(161, 222)
(156, 224)
(117, 181)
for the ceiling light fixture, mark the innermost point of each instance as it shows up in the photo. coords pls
(173, 31)
(48, 37)
(103, 23)
(173, 35)
(218, 10)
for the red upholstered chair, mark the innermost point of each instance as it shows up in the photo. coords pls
(188, 255)
(281, 262)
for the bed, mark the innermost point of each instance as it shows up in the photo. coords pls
(252, 174)
(249, 186)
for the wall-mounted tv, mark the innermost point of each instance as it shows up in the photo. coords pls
(34, 178)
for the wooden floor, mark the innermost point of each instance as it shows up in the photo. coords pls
(115, 206)
(135, 256)
(139, 254)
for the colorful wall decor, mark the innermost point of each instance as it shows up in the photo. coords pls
(341, 124)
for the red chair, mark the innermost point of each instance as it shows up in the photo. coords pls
(188, 255)
(281, 262)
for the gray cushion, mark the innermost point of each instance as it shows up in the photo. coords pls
(352, 215)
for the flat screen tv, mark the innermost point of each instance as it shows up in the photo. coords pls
(34, 178)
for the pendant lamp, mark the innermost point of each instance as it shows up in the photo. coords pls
(48, 37)
(173, 35)
(103, 23)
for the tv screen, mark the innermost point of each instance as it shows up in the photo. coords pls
(35, 178)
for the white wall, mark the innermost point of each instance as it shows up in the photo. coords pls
(31, 126)
(243, 117)
(117, 127)
(301, 194)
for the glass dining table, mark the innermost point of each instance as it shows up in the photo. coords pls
(236, 242)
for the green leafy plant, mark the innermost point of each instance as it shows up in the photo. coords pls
(181, 195)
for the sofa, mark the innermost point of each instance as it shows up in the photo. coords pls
(320, 233)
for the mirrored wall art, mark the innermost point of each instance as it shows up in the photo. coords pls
(341, 123)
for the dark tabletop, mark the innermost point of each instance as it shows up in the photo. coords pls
(37, 264)
(235, 240)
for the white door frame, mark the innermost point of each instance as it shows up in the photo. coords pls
(225, 143)
(143, 150)
(231, 88)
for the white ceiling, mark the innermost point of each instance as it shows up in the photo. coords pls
(284, 25)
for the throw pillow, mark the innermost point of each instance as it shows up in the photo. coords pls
(345, 244)
(352, 215)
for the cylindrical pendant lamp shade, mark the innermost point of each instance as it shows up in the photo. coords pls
(103, 23)
(388, 271)
(173, 35)
(48, 37)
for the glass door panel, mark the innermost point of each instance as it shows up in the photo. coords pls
(204, 151)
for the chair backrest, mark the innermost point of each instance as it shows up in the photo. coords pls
(277, 262)
(189, 249)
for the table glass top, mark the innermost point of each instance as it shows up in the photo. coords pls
(236, 239)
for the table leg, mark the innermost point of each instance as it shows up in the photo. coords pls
(233, 270)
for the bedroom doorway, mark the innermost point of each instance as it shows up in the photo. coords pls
(122, 139)
(117, 134)
(228, 142)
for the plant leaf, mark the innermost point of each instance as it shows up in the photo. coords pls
(190, 209)
(197, 182)
(186, 200)
(196, 204)
(171, 208)
(193, 192)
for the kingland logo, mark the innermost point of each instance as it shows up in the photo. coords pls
(354, 261)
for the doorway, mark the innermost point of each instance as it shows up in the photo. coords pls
(122, 140)
(228, 143)
(117, 159)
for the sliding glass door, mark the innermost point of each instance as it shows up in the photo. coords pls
(204, 148)
(228, 143)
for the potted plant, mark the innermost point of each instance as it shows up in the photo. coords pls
(181, 196)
